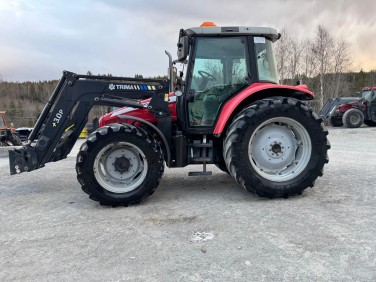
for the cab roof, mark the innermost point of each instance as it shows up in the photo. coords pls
(267, 32)
(369, 88)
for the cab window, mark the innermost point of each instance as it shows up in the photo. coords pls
(266, 66)
(219, 72)
(2, 123)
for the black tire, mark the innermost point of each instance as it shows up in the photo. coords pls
(220, 162)
(15, 139)
(222, 166)
(11, 139)
(369, 123)
(116, 151)
(353, 118)
(263, 124)
(335, 122)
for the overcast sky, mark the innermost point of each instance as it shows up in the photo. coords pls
(41, 38)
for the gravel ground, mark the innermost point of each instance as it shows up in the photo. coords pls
(195, 228)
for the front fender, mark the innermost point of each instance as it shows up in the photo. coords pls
(254, 92)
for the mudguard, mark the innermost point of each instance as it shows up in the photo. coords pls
(298, 91)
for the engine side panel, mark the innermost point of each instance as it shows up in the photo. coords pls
(115, 116)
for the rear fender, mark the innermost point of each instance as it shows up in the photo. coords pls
(254, 92)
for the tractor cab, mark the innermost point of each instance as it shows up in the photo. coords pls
(369, 94)
(219, 62)
(2, 120)
(369, 105)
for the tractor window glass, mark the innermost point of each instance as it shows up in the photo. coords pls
(266, 65)
(2, 123)
(218, 73)
(367, 95)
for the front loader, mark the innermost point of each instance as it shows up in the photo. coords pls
(352, 112)
(225, 108)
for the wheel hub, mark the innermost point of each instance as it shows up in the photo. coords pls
(273, 148)
(276, 149)
(354, 118)
(122, 164)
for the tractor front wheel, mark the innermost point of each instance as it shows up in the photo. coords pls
(353, 118)
(15, 139)
(335, 122)
(277, 147)
(119, 165)
(10, 139)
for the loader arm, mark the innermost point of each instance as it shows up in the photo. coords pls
(65, 114)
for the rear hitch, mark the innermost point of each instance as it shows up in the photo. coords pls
(21, 160)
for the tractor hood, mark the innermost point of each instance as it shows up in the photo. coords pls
(117, 115)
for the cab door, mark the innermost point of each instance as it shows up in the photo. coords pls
(218, 71)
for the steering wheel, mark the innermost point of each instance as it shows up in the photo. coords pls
(206, 75)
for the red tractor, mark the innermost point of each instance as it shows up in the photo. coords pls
(352, 112)
(8, 135)
(225, 108)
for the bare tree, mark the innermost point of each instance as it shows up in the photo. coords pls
(323, 51)
(295, 50)
(372, 77)
(282, 54)
(289, 55)
(341, 64)
(309, 64)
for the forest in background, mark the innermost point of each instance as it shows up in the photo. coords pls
(324, 63)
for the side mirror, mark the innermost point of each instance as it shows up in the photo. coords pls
(183, 48)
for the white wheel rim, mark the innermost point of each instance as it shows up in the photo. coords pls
(279, 149)
(120, 167)
(355, 118)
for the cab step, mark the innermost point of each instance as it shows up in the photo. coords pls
(201, 151)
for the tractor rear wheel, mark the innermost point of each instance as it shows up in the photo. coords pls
(119, 165)
(370, 123)
(222, 166)
(353, 118)
(277, 147)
